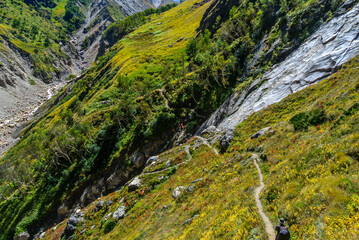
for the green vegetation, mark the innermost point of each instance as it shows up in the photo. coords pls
(33, 29)
(120, 28)
(73, 16)
(138, 93)
(312, 177)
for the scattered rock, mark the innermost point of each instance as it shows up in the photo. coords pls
(226, 140)
(22, 236)
(190, 189)
(113, 181)
(119, 213)
(93, 226)
(188, 221)
(152, 160)
(168, 163)
(260, 133)
(136, 183)
(109, 203)
(197, 180)
(70, 227)
(98, 206)
(177, 192)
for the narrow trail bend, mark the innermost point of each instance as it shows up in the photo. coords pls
(205, 142)
(268, 225)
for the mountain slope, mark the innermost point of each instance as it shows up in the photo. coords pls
(311, 177)
(149, 92)
(80, 133)
(45, 44)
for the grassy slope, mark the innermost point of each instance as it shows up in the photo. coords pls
(108, 113)
(75, 125)
(311, 176)
(47, 25)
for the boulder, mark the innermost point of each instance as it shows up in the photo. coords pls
(177, 192)
(137, 159)
(119, 213)
(109, 203)
(152, 160)
(209, 130)
(190, 189)
(113, 181)
(260, 132)
(168, 163)
(22, 236)
(226, 140)
(197, 180)
(70, 227)
(62, 210)
(98, 206)
(134, 184)
(188, 221)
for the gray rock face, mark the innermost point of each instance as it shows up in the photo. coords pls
(177, 192)
(333, 44)
(22, 236)
(260, 133)
(226, 140)
(119, 213)
(134, 184)
(152, 160)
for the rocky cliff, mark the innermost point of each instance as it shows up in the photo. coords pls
(322, 54)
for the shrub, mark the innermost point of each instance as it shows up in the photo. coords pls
(109, 225)
(302, 121)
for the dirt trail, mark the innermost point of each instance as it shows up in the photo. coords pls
(257, 191)
(205, 142)
(187, 150)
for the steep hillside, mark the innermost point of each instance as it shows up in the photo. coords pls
(75, 135)
(150, 92)
(44, 42)
(191, 192)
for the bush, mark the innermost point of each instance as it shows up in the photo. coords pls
(109, 225)
(302, 121)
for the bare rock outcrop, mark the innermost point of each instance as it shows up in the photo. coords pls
(333, 44)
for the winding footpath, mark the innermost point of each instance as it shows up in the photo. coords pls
(268, 225)
(186, 149)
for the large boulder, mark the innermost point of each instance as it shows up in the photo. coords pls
(70, 227)
(113, 181)
(137, 159)
(226, 140)
(177, 192)
(98, 206)
(134, 184)
(22, 236)
(260, 133)
(62, 210)
(152, 160)
(119, 213)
